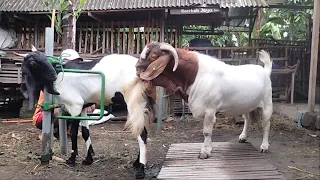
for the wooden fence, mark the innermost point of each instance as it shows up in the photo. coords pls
(124, 37)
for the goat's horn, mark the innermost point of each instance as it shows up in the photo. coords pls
(33, 48)
(166, 46)
(18, 54)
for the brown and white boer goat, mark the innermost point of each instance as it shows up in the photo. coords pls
(210, 86)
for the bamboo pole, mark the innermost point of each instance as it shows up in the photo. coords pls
(314, 57)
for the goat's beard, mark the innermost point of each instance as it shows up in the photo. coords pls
(169, 85)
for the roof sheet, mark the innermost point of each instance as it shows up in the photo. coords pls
(37, 5)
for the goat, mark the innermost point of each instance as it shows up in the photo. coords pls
(77, 91)
(210, 86)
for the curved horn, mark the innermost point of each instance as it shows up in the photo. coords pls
(166, 46)
(33, 49)
(18, 54)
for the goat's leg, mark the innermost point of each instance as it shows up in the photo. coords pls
(244, 135)
(74, 141)
(209, 120)
(141, 161)
(266, 115)
(86, 137)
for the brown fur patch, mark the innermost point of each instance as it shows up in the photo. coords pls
(178, 81)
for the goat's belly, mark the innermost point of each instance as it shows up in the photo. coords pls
(236, 109)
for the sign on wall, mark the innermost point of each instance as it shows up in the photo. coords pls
(194, 11)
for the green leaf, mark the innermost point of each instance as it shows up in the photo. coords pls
(66, 16)
(82, 2)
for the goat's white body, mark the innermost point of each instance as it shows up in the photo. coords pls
(232, 90)
(78, 89)
(119, 71)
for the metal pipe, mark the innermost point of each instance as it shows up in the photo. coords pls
(102, 94)
(63, 136)
(47, 121)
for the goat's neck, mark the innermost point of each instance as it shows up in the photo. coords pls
(185, 75)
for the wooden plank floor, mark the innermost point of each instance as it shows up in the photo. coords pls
(229, 160)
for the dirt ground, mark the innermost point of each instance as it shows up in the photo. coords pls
(295, 152)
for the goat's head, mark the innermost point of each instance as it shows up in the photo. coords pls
(154, 59)
(159, 63)
(36, 70)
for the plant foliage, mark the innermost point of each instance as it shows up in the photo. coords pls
(62, 6)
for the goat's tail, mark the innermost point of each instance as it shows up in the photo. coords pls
(137, 105)
(265, 58)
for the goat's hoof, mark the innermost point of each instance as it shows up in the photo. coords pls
(140, 171)
(87, 162)
(203, 156)
(71, 163)
(136, 164)
(264, 148)
(242, 138)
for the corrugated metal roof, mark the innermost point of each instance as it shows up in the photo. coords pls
(37, 5)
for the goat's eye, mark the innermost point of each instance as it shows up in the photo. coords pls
(153, 57)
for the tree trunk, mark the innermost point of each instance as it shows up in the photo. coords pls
(69, 29)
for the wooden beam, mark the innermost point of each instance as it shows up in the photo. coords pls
(314, 56)
(90, 14)
(22, 18)
(289, 6)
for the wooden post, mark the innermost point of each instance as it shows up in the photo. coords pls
(291, 27)
(314, 56)
(80, 38)
(86, 38)
(104, 37)
(91, 38)
(161, 89)
(36, 32)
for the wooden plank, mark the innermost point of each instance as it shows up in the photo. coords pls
(29, 35)
(124, 38)
(104, 38)
(86, 38)
(118, 42)
(229, 160)
(9, 75)
(171, 37)
(138, 39)
(111, 46)
(143, 38)
(148, 32)
(176, 37)
(157, 30)
(129, 39)
(25, 35)
(314, 57)
(9, 80)
(19, 76)
(80, 38)
(91, 38)
(152, 29)
(97, 37)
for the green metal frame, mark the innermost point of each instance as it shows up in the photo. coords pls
(102, 94)
(48, 107)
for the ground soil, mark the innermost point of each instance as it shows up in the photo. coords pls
(116, 150)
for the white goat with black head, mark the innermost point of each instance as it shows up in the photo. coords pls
(77, 91)
(210, 86)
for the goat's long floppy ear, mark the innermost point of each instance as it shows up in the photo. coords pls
(155, 68)
(28, 85)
